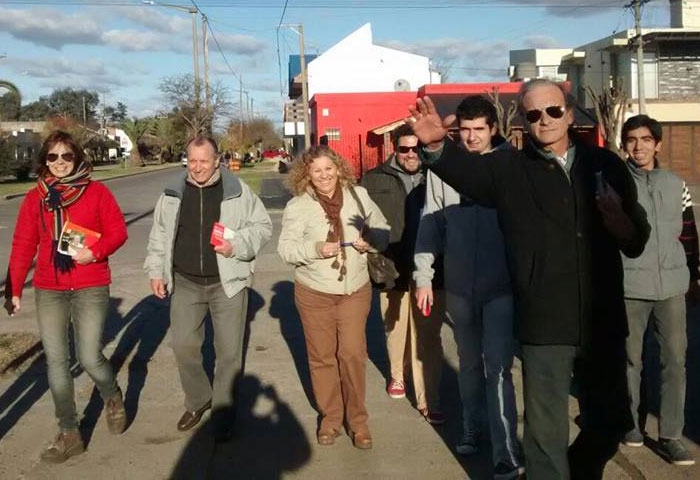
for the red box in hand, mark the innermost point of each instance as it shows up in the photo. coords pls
(217, 234)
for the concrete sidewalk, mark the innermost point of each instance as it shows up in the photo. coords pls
(275, 430)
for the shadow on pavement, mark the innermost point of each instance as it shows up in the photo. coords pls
(146, 326)
(33, 383)
(282, 307)
(268, 440)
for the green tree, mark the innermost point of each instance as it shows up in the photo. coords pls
(116, 114)
(10, 107)
(170, 137)
(35, 111)
(80, 105)
(136, 129)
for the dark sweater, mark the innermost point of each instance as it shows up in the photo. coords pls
(194, 258)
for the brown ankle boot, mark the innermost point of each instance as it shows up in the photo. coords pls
(66, 444)
(115, 414)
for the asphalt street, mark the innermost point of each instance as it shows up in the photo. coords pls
(276, 423)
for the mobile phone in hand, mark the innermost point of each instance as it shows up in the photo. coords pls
(426, 308)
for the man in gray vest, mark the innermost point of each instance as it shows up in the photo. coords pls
(656, 283)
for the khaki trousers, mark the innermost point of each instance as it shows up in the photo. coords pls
(413, 341)
(334, 330)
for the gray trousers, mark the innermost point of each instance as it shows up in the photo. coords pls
(668, 321)
(486, 345)
(87, 309)
(188, 308)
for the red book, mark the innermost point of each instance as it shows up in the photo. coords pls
(220, 232)
(74, 237)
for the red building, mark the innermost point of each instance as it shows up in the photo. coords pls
(358, 125)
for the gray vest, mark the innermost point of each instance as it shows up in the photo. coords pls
(661, 271)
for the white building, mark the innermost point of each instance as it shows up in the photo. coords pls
(671, 65)
(356, 64)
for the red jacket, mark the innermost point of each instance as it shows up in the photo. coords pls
(96, 210)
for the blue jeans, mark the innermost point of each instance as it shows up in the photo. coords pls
(486, 345)
(87, 309)
(668, 319)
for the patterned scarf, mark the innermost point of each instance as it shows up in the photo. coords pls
(57, 194)
(332, 206)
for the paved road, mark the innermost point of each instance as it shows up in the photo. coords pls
(276, 422)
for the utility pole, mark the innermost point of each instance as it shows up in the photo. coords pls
(299, 29)
(252, 113)
(638, 41)
(240, 104)
(207, 90)
(84, 112)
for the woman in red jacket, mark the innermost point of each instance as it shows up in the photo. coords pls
(68, 288)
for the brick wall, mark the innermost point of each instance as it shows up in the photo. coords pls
(679, 70)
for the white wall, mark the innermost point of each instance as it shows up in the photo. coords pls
(355, 64)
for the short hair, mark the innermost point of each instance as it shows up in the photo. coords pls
(640, 121)
(298, 180)
(404, 130)
(530, 85)
(477, 106)
(59, 137)
(201, 139)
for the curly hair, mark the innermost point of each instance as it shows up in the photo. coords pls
(299, 181)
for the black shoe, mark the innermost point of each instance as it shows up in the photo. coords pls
(507, 471)
(190, 419)
(675, 452)
(633, 438)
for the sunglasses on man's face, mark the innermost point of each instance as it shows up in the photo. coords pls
(67, 157)
(404, 149)
(555, 111)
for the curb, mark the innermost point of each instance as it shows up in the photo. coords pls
(10, 196)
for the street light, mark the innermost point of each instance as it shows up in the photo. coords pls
(195, 52)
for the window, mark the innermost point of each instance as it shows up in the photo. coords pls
(333, 133)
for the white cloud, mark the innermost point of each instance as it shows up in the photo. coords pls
(239, 44)
(155, 19)
(49, 27)
(57, 67)
(137, 41)
(541, 41)
(463, 59)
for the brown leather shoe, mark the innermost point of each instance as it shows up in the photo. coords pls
(327, 436)
(363, 441)
(190, 419)
(115, 414)
(66, 444)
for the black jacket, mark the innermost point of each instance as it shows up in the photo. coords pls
(403, 213)
(565, 266)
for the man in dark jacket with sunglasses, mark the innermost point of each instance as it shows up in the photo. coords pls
(566, 210)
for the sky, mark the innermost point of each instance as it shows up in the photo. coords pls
(125, 49)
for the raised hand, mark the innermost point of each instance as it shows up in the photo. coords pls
(427, 124)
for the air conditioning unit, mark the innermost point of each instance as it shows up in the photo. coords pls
(402, 85)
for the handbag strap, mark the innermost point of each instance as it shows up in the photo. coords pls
(359, 203)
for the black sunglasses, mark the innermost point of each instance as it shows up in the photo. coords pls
(404, 149)
(555, 111)
(67, 157)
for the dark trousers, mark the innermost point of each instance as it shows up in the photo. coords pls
(548, 372)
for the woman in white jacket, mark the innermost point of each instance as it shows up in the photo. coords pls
(325, 236)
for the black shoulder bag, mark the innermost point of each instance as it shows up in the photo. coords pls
(382, 270)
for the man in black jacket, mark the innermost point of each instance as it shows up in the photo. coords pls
(413, 339)
(566, 210)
